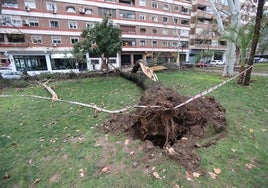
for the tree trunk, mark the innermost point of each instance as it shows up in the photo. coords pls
(255, 40)
(230, 59)
(242, 76)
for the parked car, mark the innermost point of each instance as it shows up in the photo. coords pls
(201, 64)
(11, 75)
(216, 62)
(263, 60)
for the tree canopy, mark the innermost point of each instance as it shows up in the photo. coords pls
(102, 40)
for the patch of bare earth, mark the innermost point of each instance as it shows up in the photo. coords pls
(178, 132)
(55, 178)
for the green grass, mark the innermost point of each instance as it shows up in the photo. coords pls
(261, 67)
(52, 141)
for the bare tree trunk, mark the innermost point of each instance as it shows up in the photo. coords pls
(255, 40)
(234, 7)
(230, 59)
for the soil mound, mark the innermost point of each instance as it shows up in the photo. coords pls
(177, 131)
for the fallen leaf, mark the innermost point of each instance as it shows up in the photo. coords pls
(184, 138)
(171, 151)
(250, 166)
(212, 175)
(126, 142)
(263, 130)
(30, 161)
(196, 174)
(217, 171)
(189, 175)
(156, 175)
(233, 150)
(251, 130)
(7, 175)
(176, 186)
(81, 172)
(105, 169)
(36, 181)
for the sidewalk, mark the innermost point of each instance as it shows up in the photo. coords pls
(210, 69)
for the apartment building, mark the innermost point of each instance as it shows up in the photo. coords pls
(38, 35)
(204, 37)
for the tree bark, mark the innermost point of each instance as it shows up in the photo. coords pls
(255, 41)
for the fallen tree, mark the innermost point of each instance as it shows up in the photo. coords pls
(178, 131)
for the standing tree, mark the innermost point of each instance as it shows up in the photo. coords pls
(234, 13)
(255, 40)
(263, 38)
(242, 38)
(102, 40)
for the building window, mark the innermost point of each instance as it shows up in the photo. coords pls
(56, 40)
(175, 44)
(176, 8)
(74, 40)
(165, 7)
(5, 20)
(142, 2)
(36, 39)
(165, 43)
(155, 18)
(2, 37)
(142, 17)
(154, 5)
(129, 42)
(185, 22)
(185, 10)
(107, 12)
(184, 33)
(10, 3)
(33, 22)
(72, 25)
(143, 30)
(16, 38)
(154, 43)
(175, 20)
(177, 32)
(90, 24)
(54, 23)
(127, 14)
(16, 21)
(184, 44)
(51, 6)
(154, 31)
(70, 8)
(165, 31)
(30, 4)
(88, 10)
(165, 20)
(30, 63)
(142, 43)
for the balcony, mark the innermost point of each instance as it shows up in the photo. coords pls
(128, 29)
(18, 45)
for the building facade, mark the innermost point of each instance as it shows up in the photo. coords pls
(38, 35)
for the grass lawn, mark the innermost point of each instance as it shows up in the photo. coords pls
(55, 144)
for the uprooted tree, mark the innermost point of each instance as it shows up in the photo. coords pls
(159, 120)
